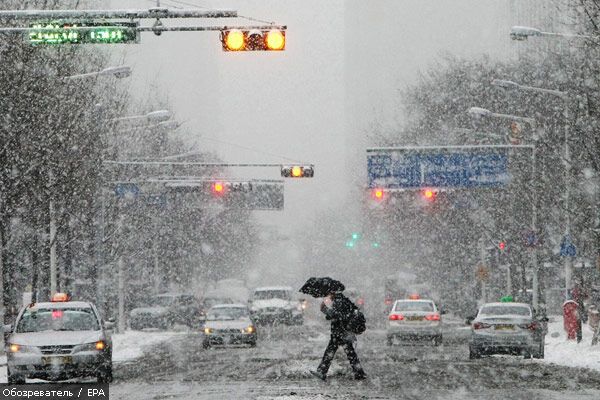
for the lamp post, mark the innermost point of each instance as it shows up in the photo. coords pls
(524, 32)
(117, 72)
(567, 98)
(478, 112)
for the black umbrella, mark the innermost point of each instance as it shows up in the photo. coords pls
(321, 287)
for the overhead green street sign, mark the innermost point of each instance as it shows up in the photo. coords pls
(82, 32)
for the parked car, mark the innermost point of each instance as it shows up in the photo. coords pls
(58, 340)
(506, 328)
(229, 324)
(165, 310)
(275, 304)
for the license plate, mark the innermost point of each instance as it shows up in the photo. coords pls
(504, 327)
(414, 318)
(57, 360)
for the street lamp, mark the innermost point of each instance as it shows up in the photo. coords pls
(478, 112)
(567, 98)
(524, 32)
(151, 117)
(119, 72)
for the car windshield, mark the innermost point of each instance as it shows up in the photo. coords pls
(226, 313)
(506, 310)
(162, 301)
(271, 294)
(47, 319)
(414, 306)
(213, 301)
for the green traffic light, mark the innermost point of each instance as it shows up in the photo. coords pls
(355, 236)
(349, 243)
(376, 245)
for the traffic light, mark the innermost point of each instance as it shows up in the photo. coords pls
(297, 171)
(378, 194)
(220, 188)
(253, 40)
(429, 194)
(502, 245)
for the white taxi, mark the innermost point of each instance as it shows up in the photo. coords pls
(414, 319)
(59, 340)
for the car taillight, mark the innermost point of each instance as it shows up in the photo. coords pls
(532, 326)
(480, 325)
(432, 317)
(396, 317)
(360, 301)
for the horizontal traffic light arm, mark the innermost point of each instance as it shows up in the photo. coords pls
(199, 164)
(147, 28)
(29, 15)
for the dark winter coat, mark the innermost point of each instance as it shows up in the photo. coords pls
(339, 314)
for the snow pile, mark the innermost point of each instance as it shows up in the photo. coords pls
(131, 344)
(561, 351)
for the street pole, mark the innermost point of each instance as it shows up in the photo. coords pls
(121, 284)
(482, 255)
(1, 274)
(568, 261)
(534, 258)
(53, 254)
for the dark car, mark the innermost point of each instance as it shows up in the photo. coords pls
(166, 310)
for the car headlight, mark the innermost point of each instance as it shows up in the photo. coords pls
(249, 329)
(207, 331)
(94, 346)
(18, 348)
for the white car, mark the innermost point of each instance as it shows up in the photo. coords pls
(411, 320)
(274, 304)
(506, 328)
(59, 340)
(229, 324)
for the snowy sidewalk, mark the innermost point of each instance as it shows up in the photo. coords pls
(126, 346)
(569, 353)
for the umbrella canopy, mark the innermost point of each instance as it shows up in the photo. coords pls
(321, 287)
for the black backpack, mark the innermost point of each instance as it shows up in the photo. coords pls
(357, 322)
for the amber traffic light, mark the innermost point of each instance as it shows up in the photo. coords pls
(297, 171)
(253, 40)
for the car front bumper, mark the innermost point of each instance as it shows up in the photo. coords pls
(63, 366)
(229, 338)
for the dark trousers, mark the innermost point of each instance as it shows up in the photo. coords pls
(330, 351)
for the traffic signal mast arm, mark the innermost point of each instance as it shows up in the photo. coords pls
(33, 15)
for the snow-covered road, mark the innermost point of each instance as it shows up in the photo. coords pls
(278, 369)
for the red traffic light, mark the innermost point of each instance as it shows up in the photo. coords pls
(378, 194)
(253, 40)
(218, 188)
(429, 194)
(297, 171)
(502, 245)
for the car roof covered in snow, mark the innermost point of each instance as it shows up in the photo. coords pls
(234, 305)
(61, 305)
(506, 304)
(269, 288)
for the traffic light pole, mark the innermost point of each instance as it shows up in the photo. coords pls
(534, 255)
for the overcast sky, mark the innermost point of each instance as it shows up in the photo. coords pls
(341, 71)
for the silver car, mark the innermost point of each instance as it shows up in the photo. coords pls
(229, 324)
(414, 320)
(506, 328)
(58, 340)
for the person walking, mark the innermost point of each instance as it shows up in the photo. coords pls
(340, 314)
